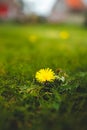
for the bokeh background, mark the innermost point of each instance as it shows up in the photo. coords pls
(52, 11)
(37, 34)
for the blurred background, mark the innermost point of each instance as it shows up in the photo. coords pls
(52, 11)
(37, 34)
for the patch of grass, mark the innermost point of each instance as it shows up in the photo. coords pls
(25, 104)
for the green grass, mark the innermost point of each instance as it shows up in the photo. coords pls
(20, 59)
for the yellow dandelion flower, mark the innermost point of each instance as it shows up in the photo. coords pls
(44, 75)
(32, 38)
(64, 35)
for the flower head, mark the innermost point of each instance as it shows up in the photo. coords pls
(44, 75)
(64, 35)
(32, 38)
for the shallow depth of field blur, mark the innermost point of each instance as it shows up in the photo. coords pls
(32, 42)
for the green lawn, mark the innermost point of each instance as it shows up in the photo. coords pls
(25, 49)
